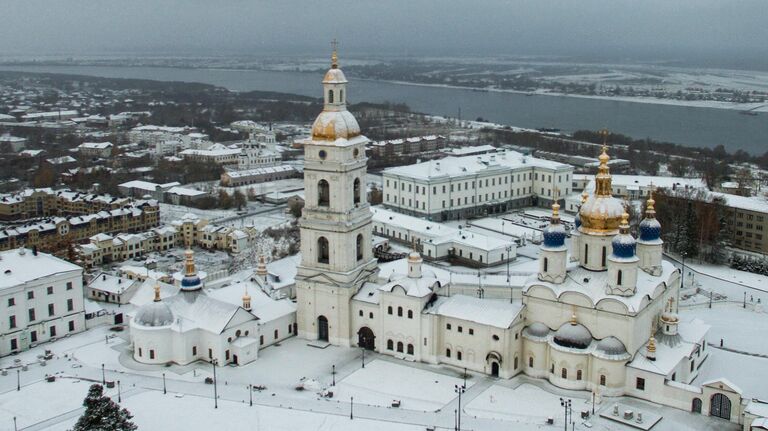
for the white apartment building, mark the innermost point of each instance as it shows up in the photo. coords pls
(41, 297)
(460, 187)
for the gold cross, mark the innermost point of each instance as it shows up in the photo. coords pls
(604, 133)
(334, 44)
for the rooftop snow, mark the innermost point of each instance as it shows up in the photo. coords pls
(22, 266)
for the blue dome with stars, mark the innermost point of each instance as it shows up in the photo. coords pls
(577, 220)
(650, 230)
(554, 236)
(623, 246)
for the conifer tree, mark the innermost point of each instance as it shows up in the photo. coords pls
(103, 414)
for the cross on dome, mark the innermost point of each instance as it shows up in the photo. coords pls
(334, 54)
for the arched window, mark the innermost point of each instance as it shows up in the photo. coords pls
(552, 368)
(530, 361)
(618, 278)
(400, 347)
(356, 191)
(447, 353)
(578, 374)
(399, 311)
(410, 314)
(564, 373)
(604, 255)
(458, 355)
(322, 250)
(586, 254)
(410, 349)
(546, 264)
(323, 194)
(330, 96)
(341, 96)
(602, 379)
(359, 246)
(515, 366)
(390, 345)
(389, 310)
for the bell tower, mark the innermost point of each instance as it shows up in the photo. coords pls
(336, 236)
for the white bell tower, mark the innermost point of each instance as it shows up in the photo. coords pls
(336, 234)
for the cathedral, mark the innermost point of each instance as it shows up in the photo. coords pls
(600, 315)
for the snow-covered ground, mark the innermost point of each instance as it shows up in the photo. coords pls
(739, 328)
(381, 382)
(525, 403)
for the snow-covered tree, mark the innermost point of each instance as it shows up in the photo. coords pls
(103, 414)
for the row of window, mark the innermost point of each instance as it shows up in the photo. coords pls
(33, 335)
(460, 329)
(31, 294)
(391, 346)
(399, 312)
(32, 315)
(488, 182)
(324, 193)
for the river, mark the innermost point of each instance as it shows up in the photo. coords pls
(693, 126)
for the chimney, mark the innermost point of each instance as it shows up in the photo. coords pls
(437, 166)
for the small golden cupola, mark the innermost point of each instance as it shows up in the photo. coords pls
(247, 300)
(601, 213)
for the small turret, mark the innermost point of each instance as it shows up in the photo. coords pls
(575, 233)
(552, 262)
(414, 264)
(247, 300)
(261, 269)
(650, 351)
(669, 319)
(622, 263)
(649, 245)
(191, 281)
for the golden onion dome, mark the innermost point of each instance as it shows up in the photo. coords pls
(333, 125)
(334, 76)
(601, 213)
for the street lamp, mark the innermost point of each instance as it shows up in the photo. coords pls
(18, 379)
(119, 397)
(745, 299)
(250, 394)
(465, 377)
(164, 390)
(459, 390)
(103, 376)
(333, 373)
(566, 405)
(351, 404)
(362, 347)
(215, 389)
(14, 424)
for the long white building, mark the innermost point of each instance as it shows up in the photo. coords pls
(41, 298)
(461, 187)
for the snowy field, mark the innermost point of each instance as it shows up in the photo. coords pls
(381, 381)
(151, 412)
(526, 403)
(740, 328)
(749, 373)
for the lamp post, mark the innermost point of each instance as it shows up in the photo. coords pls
(103, 376)
(250, 395)
(119, 396)
(14, 424)
(566, 405)
(351, 405)
(18, 379)
(215, 389)
(745, 299)
(593, 402)
(455, 419)
(363, 349)
(333, 374)
(164, 389)
(459, 390)
(465, 377)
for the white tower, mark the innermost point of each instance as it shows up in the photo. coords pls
(552, 262)
(622, 263)
(336, 252)
(649, 245)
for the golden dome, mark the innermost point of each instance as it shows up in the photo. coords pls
(333, 125)
(601, 213)
(334, 76)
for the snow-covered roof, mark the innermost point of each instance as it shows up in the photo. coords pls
(450, 167)
(96, 145)
(23, 266)
(111, 284)
(263, 307)
(492, 312)
(749, 203)
(670, 354)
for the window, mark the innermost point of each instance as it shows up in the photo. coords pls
(140, 353)
(602, 379)
(399, 311)
(390, 345)
(546, 264)
(70, 304)
(471, 331)
(530, 361)
(33, 336)
(618, 278)
(323, 193)
(410, 349)
(447, 353)
(400, 347)
(71, 325)
(14, 344)
(370, 315)
(69, 285)
(458, 355)
(12, 321)
(261, 341)
(11, 302)
(330, 96)
(151, 354)
(356, 191)
(586, 254)
(692, 364)
(194, 350)
(49, 290)
(389, 310)
(322, 250)
(604, 255)
(360, 313)
(515, 366)
(448, 326)
(640, 383)
(578, 374)
(495, 337)
(359, 247)
(30, 295)
(564, 373)
(276, 334)
(552, 368)
(52, 331)
(31, 312)
(410, 314)
(50, 310)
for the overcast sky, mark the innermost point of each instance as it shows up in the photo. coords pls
(609, 28)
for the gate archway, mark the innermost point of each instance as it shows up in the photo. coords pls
(720, 406)
(366, 339)
(322, 328)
